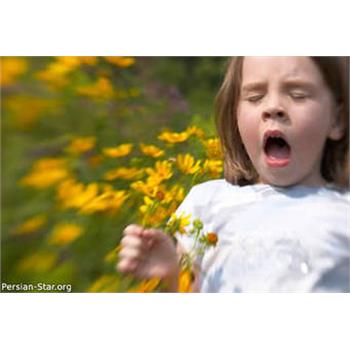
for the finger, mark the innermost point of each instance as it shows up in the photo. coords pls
(127, 266)
(131, 241)
(154, 235)
(141, 243)
(148, 238)
(151, 233)
(133, 229)
(130, 253)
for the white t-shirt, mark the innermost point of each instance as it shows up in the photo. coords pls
(271, 238)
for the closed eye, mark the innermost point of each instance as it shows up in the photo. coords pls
(299, 96)
(254, 98)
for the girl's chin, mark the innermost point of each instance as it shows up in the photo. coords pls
(289, 175)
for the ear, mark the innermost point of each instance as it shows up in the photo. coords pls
(337, 128)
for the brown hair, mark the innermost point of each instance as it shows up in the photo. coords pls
(238, 168)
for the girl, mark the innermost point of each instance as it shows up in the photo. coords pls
(282, 212)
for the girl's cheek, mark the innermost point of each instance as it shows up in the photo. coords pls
(311, 122)
(249, 131)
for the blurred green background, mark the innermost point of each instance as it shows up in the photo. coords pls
(46, 104)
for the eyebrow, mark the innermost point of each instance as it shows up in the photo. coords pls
(253, 86)
(291, 83)
(299, 83)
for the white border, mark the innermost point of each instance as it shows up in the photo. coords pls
(167, 321)
(184, 27)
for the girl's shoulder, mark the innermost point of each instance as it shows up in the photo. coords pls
(215, 191)
(213, 187)
(337, 194)
(346, 197)
(221, 190)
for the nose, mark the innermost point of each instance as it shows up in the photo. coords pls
(274, 109)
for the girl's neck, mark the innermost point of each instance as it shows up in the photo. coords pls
(317, 182)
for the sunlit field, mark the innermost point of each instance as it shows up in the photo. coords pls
(92, 144)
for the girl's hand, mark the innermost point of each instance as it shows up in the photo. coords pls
(148, 253)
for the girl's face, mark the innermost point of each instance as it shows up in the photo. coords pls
(285, 115)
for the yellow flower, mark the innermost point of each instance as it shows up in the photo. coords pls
(187, 164)
(65, 233)
(55, 74)
(70, 62)
(176, 194)
(141, 186)
(185, 281)
(120, 151)
(101, 89)
(81, 145)
(159, 192)
(73, 62)
(149, 188)
(213, 148)
(213, 167)
(89, 60)
(49, 163)
(178, 223)
(120, 61)
(37, 263)
(174, 137)
(123, 173)
(151, 150)
(46, 172)
(157, 218)
(11, 68)
(75, 195)
(162, 171)
(88, 194)
(148, 206)
(31, 225)
(105, 283)
(153, 213)
(146, 286)
(28, 109)
(196, 131)
(108, 200)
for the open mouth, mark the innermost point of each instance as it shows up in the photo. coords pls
(276, 148)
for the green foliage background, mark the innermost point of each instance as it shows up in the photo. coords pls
(156, 93)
